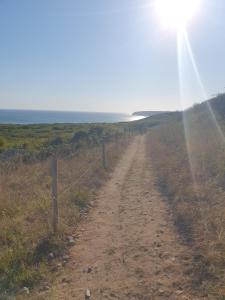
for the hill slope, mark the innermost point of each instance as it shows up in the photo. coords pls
(188, 157)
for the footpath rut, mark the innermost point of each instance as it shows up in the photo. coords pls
(127, 248)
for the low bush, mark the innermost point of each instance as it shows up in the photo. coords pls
(80, 199)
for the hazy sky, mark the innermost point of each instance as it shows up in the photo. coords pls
(103, 55)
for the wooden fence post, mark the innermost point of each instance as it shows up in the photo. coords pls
(103, 155)
(55, 213)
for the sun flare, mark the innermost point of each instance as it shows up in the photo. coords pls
(176, 13)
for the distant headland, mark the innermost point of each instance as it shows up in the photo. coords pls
(148, 113)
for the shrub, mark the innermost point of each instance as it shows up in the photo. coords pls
(80, 199)
(79, 136)
(56, 141)
(2, 143)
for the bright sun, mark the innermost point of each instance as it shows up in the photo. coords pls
(176, 13)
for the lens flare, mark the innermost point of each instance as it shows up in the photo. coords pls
(176, 13)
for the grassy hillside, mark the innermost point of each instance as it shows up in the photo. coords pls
(154, 121)
(188, 157)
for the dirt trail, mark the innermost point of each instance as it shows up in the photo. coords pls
(127, 248)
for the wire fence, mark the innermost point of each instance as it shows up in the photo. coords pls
(36, 199)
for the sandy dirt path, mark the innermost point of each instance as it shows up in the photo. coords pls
(127, 248)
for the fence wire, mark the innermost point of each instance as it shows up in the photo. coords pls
(26, 190)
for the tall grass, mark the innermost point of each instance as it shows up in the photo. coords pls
(188, 159)
(26, 237)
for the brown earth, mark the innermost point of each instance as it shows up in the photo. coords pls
(127, 247)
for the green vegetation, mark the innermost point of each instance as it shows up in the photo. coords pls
(80, 199)
(42, 139)
(2, 143)
(188, 157)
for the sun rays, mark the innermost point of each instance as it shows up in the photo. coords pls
(175, 15)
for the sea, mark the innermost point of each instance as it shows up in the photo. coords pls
(10, 116)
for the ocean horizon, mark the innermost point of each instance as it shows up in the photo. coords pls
(20, 117)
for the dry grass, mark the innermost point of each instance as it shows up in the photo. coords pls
(26, 236)
(190, 167)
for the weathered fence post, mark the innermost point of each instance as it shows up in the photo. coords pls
(103, 155)
(55, 213)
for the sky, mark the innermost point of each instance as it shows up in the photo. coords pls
(105, 55)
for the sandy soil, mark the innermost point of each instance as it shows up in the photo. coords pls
(127, 247)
